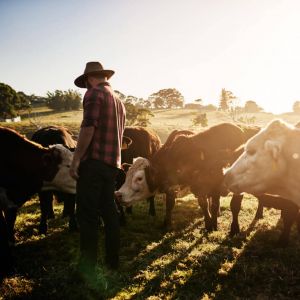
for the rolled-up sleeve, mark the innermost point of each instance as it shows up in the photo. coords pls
(91, 109)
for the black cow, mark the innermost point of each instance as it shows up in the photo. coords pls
(26, 168)
(47, 136)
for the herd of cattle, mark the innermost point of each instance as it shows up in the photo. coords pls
(226, 157)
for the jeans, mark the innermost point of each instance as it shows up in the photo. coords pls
(95, 198)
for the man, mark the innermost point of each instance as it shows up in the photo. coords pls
(95, 165)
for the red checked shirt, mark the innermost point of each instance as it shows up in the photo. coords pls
(103, 110)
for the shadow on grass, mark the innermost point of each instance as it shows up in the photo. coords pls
(185, 263)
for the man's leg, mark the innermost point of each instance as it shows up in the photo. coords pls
(111, 220)
(89, 187)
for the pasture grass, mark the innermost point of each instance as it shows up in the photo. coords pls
(184, 263)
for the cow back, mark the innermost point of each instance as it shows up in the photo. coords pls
(145, 143)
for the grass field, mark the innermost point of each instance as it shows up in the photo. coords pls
(183, 263)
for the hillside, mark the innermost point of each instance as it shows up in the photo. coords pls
(163, 122)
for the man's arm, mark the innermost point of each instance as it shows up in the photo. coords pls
(84, 140)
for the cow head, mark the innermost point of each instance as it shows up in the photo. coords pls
(57, 163)
(262, 164)
(138, 184)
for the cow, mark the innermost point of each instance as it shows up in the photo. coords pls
(190, 160)
(177, 162)
(269, 164)
(47, 136)
(26, 168)
(144, 143)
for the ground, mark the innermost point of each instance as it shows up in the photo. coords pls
(183, 263)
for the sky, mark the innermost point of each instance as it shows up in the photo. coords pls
(250, 47)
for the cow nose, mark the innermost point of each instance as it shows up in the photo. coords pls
(118, 196)
(230, 184)
(228, 179)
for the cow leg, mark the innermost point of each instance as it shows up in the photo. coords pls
(260, 210)
(298, 222)
(215, 210)
(6, 259)
(10, 217)
(46, 199)
(289, 216)
(69, 208)
(204, 204)
(235, 206)
(170, 203)
(152, 211)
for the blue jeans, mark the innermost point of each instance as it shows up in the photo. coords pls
(95, 199)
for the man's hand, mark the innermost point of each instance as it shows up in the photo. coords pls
(74, 168)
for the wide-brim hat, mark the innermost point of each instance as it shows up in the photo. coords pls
(92, 68)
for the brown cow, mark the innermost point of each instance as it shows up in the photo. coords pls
(192, 160)
(26, 168)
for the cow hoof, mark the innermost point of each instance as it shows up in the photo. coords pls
(234, 230)
(166, 226)
(208, 227)
(43, 229)
(73, 227)
(258, 216)
(152, 213)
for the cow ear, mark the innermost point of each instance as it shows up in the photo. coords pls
(126, 142)
(202, 156)
(274, 147)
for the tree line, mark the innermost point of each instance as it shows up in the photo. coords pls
(12, 103)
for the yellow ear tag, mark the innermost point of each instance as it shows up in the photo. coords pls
(202, 156)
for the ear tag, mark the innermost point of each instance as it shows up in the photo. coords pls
(202, 156)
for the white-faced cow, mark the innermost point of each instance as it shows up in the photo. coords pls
(47, 136)
(143, 143)
(270, 163)
(25, 169)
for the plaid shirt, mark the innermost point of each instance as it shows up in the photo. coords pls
(103, 110)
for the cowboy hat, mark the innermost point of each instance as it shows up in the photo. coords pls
(92, 68)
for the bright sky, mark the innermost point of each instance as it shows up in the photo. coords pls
(250, 47)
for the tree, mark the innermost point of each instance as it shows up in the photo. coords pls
(226, 100)
(120, 95)
(200, 119)
(167, 98)
(64, 100)
(252, 107)
(132, 99)
(296, 107)
(137, 116)
(143, 117)
(9, 101)
(72, 100)
(25, 101)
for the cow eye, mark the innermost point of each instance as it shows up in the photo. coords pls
(251, 152)
(139, 178)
